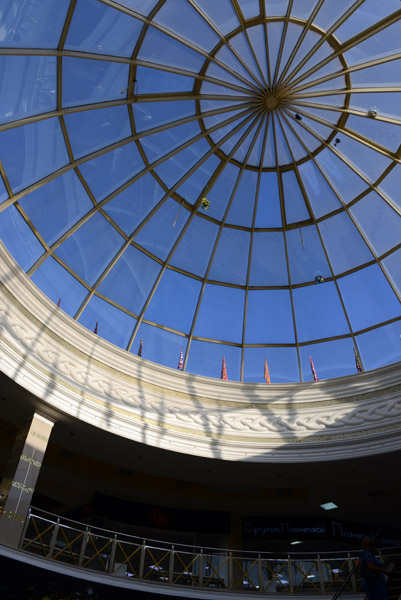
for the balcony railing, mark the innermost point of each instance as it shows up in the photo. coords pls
(120, 555)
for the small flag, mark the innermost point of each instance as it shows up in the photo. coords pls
(267, 375)
(59, 302)
(140, 348)
(315, 377)
(181, 361)
(95, 330)
(358, 363)
(224, 370)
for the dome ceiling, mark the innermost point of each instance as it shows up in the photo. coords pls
(217, 177)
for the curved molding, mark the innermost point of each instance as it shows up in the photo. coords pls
(77, 372)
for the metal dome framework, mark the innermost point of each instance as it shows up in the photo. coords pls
(266, 116)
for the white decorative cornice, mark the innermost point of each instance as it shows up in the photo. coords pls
(79, 373)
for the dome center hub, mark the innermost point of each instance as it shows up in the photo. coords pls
(271, 101)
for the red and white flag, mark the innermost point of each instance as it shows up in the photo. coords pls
(315, 377)
(224, 370)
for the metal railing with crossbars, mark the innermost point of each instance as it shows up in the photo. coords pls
(121, 555)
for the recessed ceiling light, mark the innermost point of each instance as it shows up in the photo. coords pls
(328, 506)
(296, 542)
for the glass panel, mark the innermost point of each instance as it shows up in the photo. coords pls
(58, 284)
(268, 212)
(249, 8)
(109, 171)
(19, 239)
(227, 57)
(329, 13)
(391, 185)
(221, 314)
(31, 86)
(159, 234)
(155, 81)
(144, 7)
(281, 362)
(180, 17)
(113, 324)
(368, 14)
(159, 346)
(321, 196)
(306, 255)
(368, 298)
(302, 9)
(26, 24)
(230, 262)
(318, 312)
(330, 359)
(382, 43)
(89, 250)
(162, 49)
(161, 144)
(91, 130)
(86, 81)
(68, 195)
(240, 43)
(380, 346)
(3, 191)
(380, 223)
(367, 161)
(174, 301)
(130, 207)
(153, 114)
(274, 34)
(194, 250)
(130, 280)
(384, 134)
(195, 184)
(222, 14)
(96, 27)
(242, 207)
(276, 7)
(343, 179)
(206, 358)
(295, 207)
(393, 267)
(268, 265)
(269, 317)
(177, 167)
(219, 194)
(32, 151)
(344, 244)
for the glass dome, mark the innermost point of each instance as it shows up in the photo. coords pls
(210, 179)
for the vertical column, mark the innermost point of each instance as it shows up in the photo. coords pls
(20, 477)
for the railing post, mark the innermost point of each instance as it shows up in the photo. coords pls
(230, 571)
(53, 539)
(350, 567)
(290, 578)
(142, 560)
(320, 571)
(112, 557)
(171, 565)
(201, 568)
(260, 573)
(23, 533)
(83, 547)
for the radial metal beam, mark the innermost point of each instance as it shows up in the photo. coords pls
(282, 41)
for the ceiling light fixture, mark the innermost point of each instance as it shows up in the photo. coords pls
(328, 506)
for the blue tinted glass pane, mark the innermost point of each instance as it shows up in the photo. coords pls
(130, 207)
(206, 358)
(160, 233)
(3, 191)
(221, 314)
(276, 7)
(231, 259)
(380, 346)
(306, 255)
(91, 130)
(59, 285)
(152, 114)
(330, 359)
(32, 151)
(219, 194)
(393, 267)
(177, 167)
(180, 17)
(90, 249)
(344, 244)
(160, 144)
(68, 195)
(318, 312)
(321, 196)
(250, 8)
(160, 48)
(113, 324)
(368, 298)
(195, 184)
(268, 265)
(31, 87)
(343, 179)
(111, 170)
(18, 238)
(159, 346)
(268, 213)
(143, 7)
(222, 14)
(155, 81)
(366, 160)
(241, 211)
(194, 250)
(174, 301)
(27, 24)
(269, 317)
(380, 223)
(130, 280)
(295, 207)
(87, 81)
(96, 27)
(391, 185)
(281, 362)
